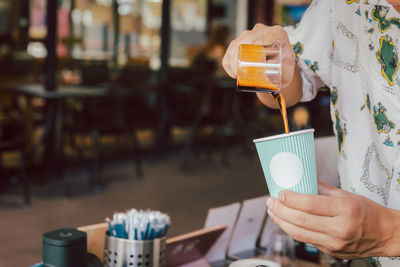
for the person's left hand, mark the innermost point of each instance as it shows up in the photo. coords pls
(337, 222)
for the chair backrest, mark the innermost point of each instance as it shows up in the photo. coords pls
(95, 73)
(137, 78)
(326, 153)
(12, 124)
(141, 99)
(184, 94)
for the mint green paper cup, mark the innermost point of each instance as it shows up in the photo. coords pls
(288, 162)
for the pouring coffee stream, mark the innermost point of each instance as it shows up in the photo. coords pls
(282, 106)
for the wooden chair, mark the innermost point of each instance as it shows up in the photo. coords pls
(13, 137)
(96, 238)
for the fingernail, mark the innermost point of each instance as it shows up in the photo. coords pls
(281, 196)
(269, 211)
(270, 203)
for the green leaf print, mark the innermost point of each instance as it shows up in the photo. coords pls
(298, 48)
(334, 95)
(312, 65)
(368, 103)
(383, 124)
(383, 23)
(388, 58)
(340, 131)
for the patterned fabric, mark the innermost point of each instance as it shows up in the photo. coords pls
(351, 46)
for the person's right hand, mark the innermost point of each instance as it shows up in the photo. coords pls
(262, 35)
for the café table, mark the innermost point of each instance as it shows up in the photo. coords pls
(298, 262)
(52, 136)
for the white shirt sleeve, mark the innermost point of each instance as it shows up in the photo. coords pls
(312, 41)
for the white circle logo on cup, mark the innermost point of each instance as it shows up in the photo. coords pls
(286, 169)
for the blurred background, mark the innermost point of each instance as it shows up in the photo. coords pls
(113, 104)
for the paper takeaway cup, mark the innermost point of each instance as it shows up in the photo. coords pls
(288, 162)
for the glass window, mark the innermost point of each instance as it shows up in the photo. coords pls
(188, 30)
(5, 8)
(91, 29)
(37, 30)
(139, 32)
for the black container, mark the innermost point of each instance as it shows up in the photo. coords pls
(65, 248)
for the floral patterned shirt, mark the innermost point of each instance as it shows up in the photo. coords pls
(351, 46)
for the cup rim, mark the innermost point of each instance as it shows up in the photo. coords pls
(268, 138)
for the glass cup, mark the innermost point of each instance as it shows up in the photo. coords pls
(282, 249)
(259, 68)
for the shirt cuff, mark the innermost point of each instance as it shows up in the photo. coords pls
(308, 87)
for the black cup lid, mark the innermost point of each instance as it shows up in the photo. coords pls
(64, 237)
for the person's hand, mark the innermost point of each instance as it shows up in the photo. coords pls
(262, 35)
(339, 223)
